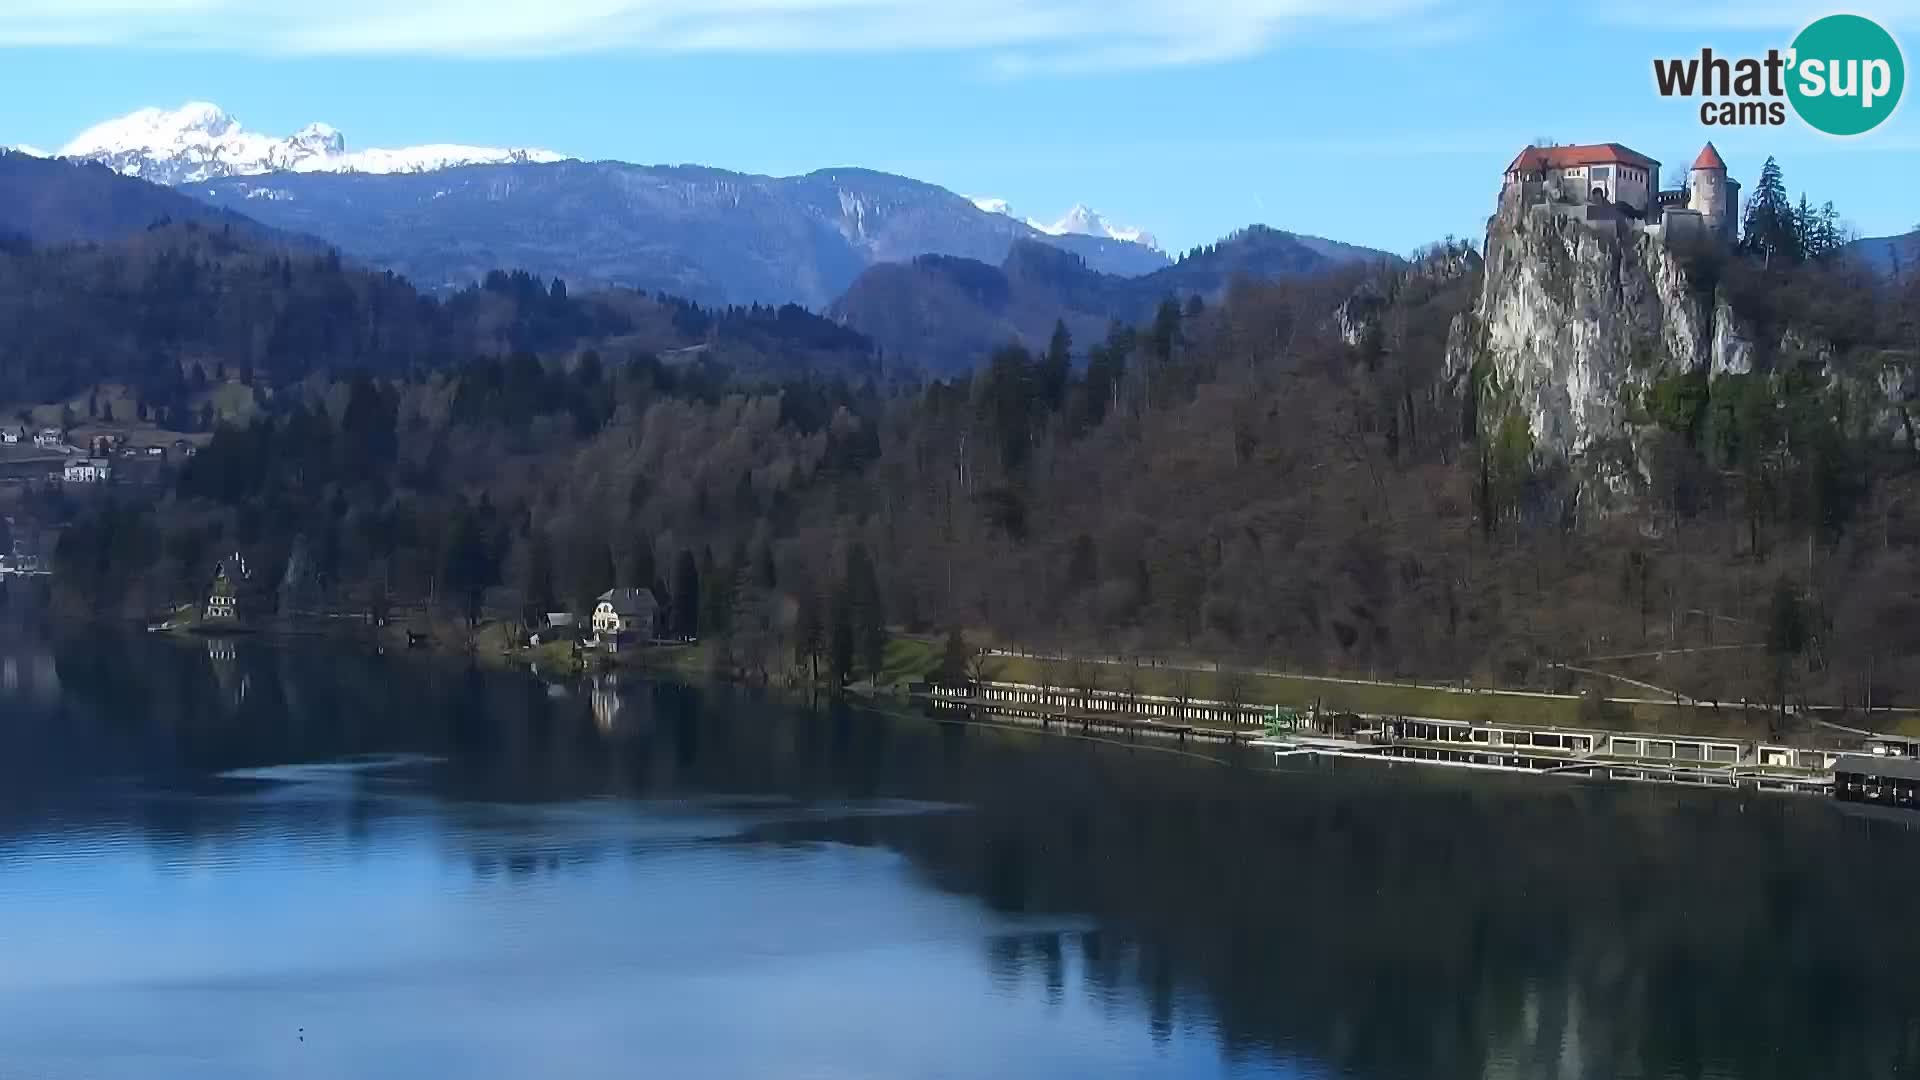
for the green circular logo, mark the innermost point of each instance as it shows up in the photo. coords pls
(1846, 75)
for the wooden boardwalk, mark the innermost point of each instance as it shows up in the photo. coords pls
(1089, 720)
(1546, 762)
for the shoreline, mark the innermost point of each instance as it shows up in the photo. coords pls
(1167, 693)
(1704, 762)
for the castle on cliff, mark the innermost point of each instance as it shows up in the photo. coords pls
(1608, 182)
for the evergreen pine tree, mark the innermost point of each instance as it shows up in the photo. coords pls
(1166, 329)
(538, 584)
(1056, 367)
(953, 659)
(840, 638)
(1805, 224)
(866, 619)
(686, 596)
(1767, 230)
(810, 635)
(717, 597)
(1830, 235)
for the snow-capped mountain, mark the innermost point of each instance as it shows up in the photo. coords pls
(1082, 220)
(23, 148)
(200, 141)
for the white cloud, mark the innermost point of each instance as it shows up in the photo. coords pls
(1015, 36)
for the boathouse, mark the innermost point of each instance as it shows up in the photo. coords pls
(1888, 781)
(1520, 740)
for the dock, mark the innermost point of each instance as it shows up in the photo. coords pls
(1559, 752)
(1565, 764)
(1088, 720)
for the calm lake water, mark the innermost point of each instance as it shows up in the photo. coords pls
(280, 862)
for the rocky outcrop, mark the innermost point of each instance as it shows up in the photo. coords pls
(1576, 321)
(1892, 402)
(1358, 318)
(1731, 351)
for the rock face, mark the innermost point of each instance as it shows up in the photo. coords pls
(1358, 318)
(1576, 321)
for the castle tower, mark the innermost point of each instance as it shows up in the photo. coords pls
(1714, 194)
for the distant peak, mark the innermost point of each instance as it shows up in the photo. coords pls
(151, 127)
(200, 141)
(1084, 220)
(203, 113)
(1079, 220)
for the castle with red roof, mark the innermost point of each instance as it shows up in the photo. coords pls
(1609, 182)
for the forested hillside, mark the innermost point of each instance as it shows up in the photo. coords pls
(171, 308)
(52, 201)
(950, 312)
(1252, 480)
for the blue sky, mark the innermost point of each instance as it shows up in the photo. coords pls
(1381, 122)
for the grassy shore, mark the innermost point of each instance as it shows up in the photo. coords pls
(1400, 699)
(910, 659)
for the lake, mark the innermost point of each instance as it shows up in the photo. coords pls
(298, 861)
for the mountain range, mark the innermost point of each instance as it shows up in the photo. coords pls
(200, 141)
(444, 214)
(1898, 255)
(939, 312)
(931, 275)
(948, 312)
(710, 235)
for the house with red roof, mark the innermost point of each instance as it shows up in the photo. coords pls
(1597, 173)
(1610, 182)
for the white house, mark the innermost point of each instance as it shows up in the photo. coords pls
(48, 439)
(89, 471)
(624, 617)
(1600, 173)
(10, 436)
(223, 600)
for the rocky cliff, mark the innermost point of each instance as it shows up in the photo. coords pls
(1576, 323)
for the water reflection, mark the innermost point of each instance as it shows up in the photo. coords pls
(27, 671)
(223, 659)
(1121, 909)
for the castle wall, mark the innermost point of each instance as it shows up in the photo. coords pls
(1682, 228)
(1622, 183)
(1635, 187)
(1704, 214)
